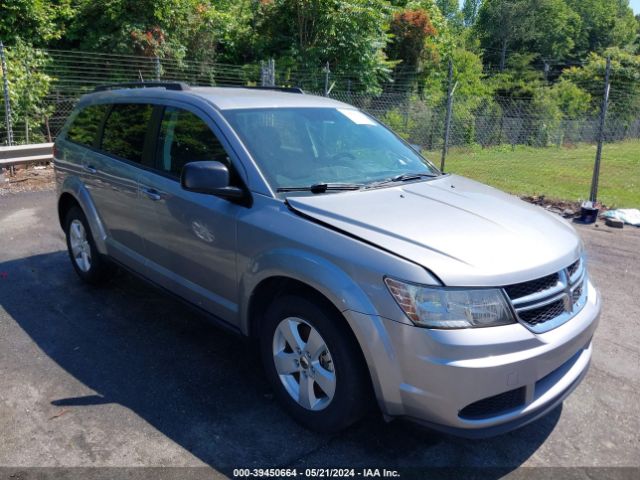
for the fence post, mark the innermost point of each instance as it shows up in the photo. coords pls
(268, 73)
(447, 121)
(157, 68)
(7, 100)
(603, 113)
(272, 72)
(327, 72)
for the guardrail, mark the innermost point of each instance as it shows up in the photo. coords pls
(21, 154)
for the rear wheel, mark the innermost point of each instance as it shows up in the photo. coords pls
(313, 363)
(90, 266)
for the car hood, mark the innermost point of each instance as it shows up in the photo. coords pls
(464, 232)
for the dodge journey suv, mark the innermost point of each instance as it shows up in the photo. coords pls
(361, 273)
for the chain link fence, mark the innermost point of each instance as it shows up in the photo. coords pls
(527, 145)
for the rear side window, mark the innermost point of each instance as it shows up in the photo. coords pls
(125, 130)
(184, 138)
(85, 126)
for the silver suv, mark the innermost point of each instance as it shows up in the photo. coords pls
(361, 272)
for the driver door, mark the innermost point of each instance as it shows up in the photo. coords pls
(189, 238)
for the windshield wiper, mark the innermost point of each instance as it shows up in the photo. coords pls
(404, 177)
(322, 187)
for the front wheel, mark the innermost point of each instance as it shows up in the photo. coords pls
(313, 363)
(87, 262)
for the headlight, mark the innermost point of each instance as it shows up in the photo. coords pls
(442, 307)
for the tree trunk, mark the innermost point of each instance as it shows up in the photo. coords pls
(503, 55)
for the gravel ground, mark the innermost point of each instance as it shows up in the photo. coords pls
(27, 179)
(122, 376)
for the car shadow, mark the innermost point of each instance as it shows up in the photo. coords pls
(203, 388)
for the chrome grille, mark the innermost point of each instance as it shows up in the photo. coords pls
(548, 302)
(542, 314)
(573, 268)
(535, 286)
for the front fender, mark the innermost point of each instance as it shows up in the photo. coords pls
(313, 270)
(76, 188)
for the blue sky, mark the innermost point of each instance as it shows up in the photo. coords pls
(635, 4)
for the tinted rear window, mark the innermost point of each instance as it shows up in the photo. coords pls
(85, 126)
(125, 130)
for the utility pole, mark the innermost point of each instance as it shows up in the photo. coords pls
(603, 113)
(447, 121)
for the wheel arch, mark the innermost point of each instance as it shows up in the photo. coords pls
(74, 193)
(297, 269)
(273, 287)
(65, 203)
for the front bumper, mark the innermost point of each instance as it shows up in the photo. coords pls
(430, 376)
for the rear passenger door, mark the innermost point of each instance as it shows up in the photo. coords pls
(113, 170)
(190, 238)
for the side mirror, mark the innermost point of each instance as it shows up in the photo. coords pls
(416, 147)
(209, 177)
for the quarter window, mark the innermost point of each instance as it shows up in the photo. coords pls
(125, 131)
(85, 126)
(185, 137)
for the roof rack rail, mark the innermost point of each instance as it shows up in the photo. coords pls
(278, 89)
(166, 85)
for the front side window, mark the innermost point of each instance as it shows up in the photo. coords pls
(86, 124)
(306, 146)
(125, 130)
(184, 137)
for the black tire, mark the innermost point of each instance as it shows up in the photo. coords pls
(100, 269)
(352, 387)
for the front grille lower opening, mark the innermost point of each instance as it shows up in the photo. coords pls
(496, 405)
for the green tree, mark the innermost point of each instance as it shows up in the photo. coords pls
(470, 10)
(557, 26)
(450, 10)
(173, 28)
(34, 21)
(624, 100)
(637, 42)
(605, 23)
(573, 101)
(28, 86)
(501, 24)
(350, 36)
(543, 27)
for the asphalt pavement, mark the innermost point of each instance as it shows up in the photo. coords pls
(123, 376)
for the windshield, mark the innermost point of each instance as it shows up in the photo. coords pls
(300, 147)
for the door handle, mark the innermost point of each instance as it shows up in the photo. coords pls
(152, 194)
(90, 169)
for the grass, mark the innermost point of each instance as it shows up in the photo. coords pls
(562, 173)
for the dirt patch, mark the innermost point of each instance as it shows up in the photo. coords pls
(566, 208)
(27, 179)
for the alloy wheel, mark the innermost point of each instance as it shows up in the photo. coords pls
(80, 248)
(304, 364)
